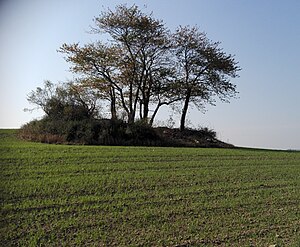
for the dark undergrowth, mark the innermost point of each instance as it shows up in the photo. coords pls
(117, 132)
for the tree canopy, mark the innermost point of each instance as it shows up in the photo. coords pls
(143, 66)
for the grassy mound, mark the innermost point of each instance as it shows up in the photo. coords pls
(191, 138)
(108, 132)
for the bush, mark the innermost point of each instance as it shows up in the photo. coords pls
(57, 109)
(117, 132)
(42, 131)
(89, 131)
(141, 132)
(206, 132)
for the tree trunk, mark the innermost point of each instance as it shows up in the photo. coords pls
(113, 109)
(141, 109)
(146, 111)
(185, 109)
(131, 116)
(154, 113)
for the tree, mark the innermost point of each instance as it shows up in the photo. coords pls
(97, 64)
(145, 66)
(125, 69)
(41, 96)
(65, 102)
(203, 69)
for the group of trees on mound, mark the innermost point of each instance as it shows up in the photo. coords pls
(140, 68)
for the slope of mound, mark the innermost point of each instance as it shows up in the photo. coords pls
(116, 133)
(191, 138)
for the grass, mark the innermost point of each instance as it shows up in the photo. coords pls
(60, 195)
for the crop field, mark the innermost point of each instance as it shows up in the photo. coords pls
(64, 195)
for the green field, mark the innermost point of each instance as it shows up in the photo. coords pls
(60, 195)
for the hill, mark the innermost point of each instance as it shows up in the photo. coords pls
(109, 132)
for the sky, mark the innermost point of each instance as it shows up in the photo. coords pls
(264, 36)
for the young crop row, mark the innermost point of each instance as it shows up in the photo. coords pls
(60, 195)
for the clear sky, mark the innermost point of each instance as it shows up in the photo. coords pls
(264, 35)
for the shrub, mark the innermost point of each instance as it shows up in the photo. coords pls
(141, 132)
(115, 132)
(206, 132)
(42, 131)
(89, 131)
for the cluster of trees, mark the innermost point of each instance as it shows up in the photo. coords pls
(140, 68)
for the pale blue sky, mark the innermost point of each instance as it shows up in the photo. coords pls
(264, 35)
